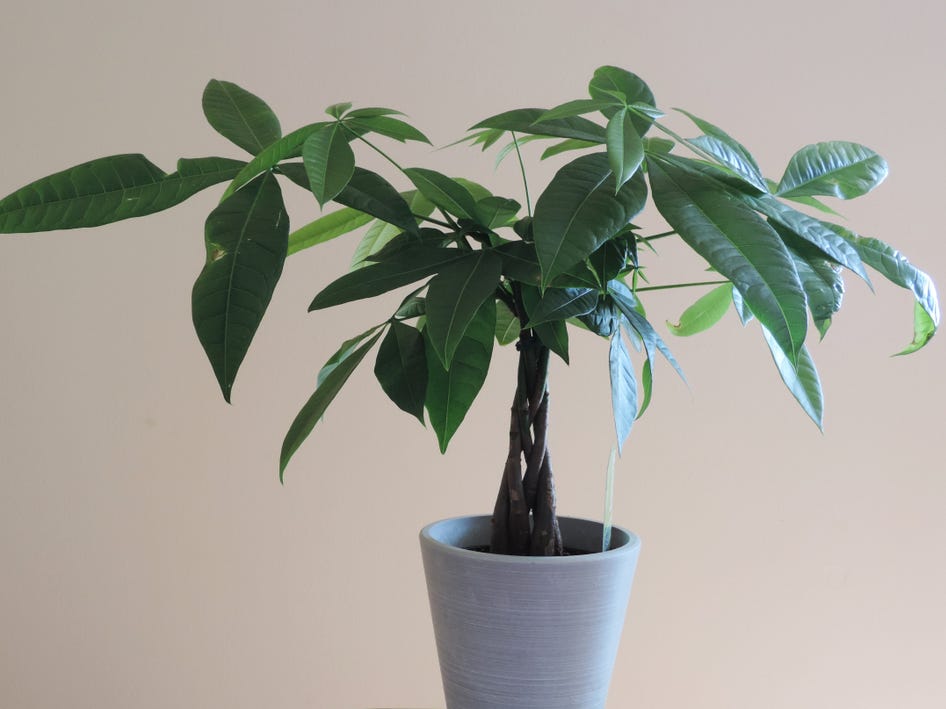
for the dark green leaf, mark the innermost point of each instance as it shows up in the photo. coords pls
(246, 238)
(704, 313)
(239, 116)
(837, 168)
(387, 126)
(326, 228)
(739, 245)
(373, 111)
(567, 145)
(454, 298)
(324, 394)
(370, 193)
(661, 146)
(496, 212)
(723, 175)
(401, 368)
(507, 324)
(108, 190)
(381, 233)
(523, 120)
(629, 307)
(823, 287)
(609, 82)
(450, 393)
(603, 320)
(802, 380)
(329, 162)
(563, 303)
(625, 147)
(520, 262)
(553, 335)
(579, 211)
(742, 310)
(578, 108)
(729, 151)
(443, 191)
(403, 268)
(623, 388)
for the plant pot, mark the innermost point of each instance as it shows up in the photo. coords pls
(519, 632)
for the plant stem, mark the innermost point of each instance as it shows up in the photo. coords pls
(681, 285)
(661, 235)
(522, 169)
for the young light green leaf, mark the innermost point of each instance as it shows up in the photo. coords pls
(372, 111)
(704, 313)
(246, 238)
(315, 407)
(802, 379)
(647, 384)
(239, 116)
(329, 162)
(623, 388)
(450, 393)
(108, 190)
(454, 298)
(923, 330)
(739, 245)
(332, 225)
(443, 191)
(837, 168)
(579, 211)
(387, 126)
(625, 147)
(563, 303)
(401, 368)
(507, 324)
(523, 120)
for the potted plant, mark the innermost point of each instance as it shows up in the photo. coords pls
(482, 270)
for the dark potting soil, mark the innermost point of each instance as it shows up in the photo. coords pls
(568, 552)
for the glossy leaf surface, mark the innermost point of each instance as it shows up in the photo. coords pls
(553, 334)
(246, 238)
(401, 368)
(563, 303)
(329, 162)
(729, 151)
(523, 120)
(625, 147)
(507, 324)
(387, 126)
(708, 310)
(239, 116)
(802, 379)
(837, 169)
(370, 193)
(443, 191)
(623, 388)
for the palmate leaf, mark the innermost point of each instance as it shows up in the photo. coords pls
(553, 334)
(108, 190)
(579, 211)
(450, 393)
(324, 394)
(386, 126)
(524, 120)
(401, 368)
(246, 238)
(837, 168)
(704, 313)
(454, 298)
(445, 192)
(370, 193)
(239, 116)
(610, 82)
(563, 303)
(623, 388)
(329, 162)
(802, 379)
(738, 244)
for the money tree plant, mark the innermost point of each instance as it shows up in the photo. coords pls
(485, 270)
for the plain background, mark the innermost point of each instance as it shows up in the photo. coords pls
(148, 556)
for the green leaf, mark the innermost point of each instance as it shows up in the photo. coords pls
(520, 262)
(372, 111)
(408, 265)
(567, 145)
(802, 380)
(579, 211)
(108, 190)
(329, 162)
(661, 146)
(807, 201)
(239, 116)
(370, 193)
(324, 394)
(523, 120)
(380, 233)
(837, 168)
(823, 287)
(287, 147)
(443, 191)
(387, 126)
(326, 228)
(704, 313)
(577, 108)
(629, 307)
(554, 334)
(401, 368)
(507, 324)
(729, 151)
(450, 393)
(623, 388)
(454, 298)
(343, 352)
(246, 238)
(609, 82)
(513, 144)
(923, 330)
(563, 303)
(625, 147)
(739, 245)
(742, 310)
(337, 110)
(647, 384)
(495, 212)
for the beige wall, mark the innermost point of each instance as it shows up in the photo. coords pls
(150, 559)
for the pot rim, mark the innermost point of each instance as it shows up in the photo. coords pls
(623, 541)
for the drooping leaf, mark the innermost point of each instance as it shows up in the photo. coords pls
(520, 262)
(443, 191)
(108, 190)
(324, 394)
(386, 126)
(450, 393)
(370, 193)
(623, 388)
(344, 351)
(738, 244)
(523, 120)
(729, 151)
(923, 330)
(239, 116)
(511, 146)
(332, 225)
(563, 303)
(629, 307)
(625, 147)
(647, 384)
(802, 379)
(742, 310)
(579, 211)
(246, 238)
(554, 334)
(611, 82)
(823, 287)
(507, 324)
(401, 368)
(704, 313)
(407, 266)
(329, 162)
(454, 298)
(836, 168)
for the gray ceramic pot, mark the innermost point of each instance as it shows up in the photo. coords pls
(517, 632)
